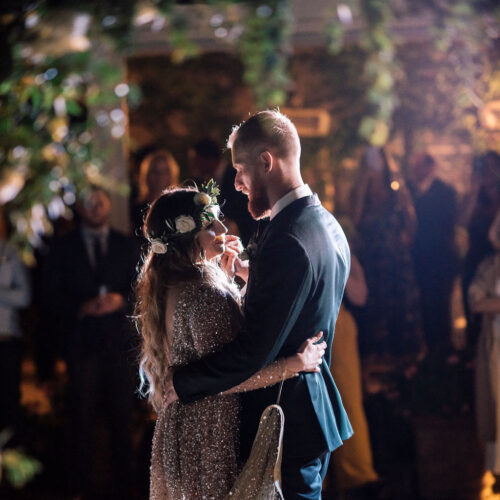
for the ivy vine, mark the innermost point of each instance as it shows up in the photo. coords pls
(54, 101)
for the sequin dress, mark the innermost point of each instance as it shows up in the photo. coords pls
(195, 445)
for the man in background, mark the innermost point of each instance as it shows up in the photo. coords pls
(434, 251)
(89, 279)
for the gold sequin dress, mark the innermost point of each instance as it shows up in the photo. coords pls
(195, 445)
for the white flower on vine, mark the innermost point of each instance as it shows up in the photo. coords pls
(184, 224)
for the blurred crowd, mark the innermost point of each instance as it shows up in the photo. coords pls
(406, 266)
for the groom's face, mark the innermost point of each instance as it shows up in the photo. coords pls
(250, 180)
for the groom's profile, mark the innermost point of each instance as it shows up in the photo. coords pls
(296, 282)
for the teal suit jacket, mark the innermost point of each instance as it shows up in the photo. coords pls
(296, 284)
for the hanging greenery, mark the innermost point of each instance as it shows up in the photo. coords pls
(62, 91)
(265, 48)
(51, 109)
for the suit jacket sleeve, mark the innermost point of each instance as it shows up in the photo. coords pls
(281, 284)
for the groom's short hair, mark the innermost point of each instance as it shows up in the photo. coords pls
(269, 129)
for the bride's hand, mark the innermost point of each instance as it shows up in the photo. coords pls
(230, 261)
(169, 395)
(309, 357)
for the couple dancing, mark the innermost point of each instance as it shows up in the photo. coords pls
(212, 365)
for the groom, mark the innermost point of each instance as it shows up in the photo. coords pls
(296, 283)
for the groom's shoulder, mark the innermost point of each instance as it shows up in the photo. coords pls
(314, 218)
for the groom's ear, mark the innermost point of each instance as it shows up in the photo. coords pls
(267, 160)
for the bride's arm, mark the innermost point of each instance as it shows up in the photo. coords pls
(307, 359)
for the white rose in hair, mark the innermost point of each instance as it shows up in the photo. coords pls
(202, 199)
(158, 246)
(184, 224)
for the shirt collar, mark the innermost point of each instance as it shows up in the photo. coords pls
(290, 197)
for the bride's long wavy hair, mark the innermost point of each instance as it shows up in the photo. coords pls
(184, 261)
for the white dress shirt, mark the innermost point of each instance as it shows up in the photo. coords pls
(290, 197)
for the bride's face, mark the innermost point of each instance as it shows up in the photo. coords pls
(212, 239)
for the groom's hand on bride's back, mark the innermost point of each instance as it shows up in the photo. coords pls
(169, 394)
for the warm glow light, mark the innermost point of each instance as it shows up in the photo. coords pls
(395, 185)
(490, 115)
(10, 186)
(460, 323)
(145, 15)
(60, 133)
(79, 43)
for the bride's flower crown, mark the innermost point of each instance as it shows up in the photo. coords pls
(206, 197)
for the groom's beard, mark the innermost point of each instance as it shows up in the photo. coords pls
(258, 202)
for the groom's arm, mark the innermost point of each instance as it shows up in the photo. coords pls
(283, 279)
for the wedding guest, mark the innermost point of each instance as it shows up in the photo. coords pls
(484, 299)
(434, 251)
(89, 279)
(158, 170)
(386, 222)
(14, 295)
(479, 210)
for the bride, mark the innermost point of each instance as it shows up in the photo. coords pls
(187, 307)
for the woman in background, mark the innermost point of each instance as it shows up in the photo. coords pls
(484, 299)
(158, 171)
(386, 222)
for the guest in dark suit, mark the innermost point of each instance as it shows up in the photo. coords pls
(89, 279)
(434, 251)
(297, 278)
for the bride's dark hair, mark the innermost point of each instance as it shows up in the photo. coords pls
(184, 261)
